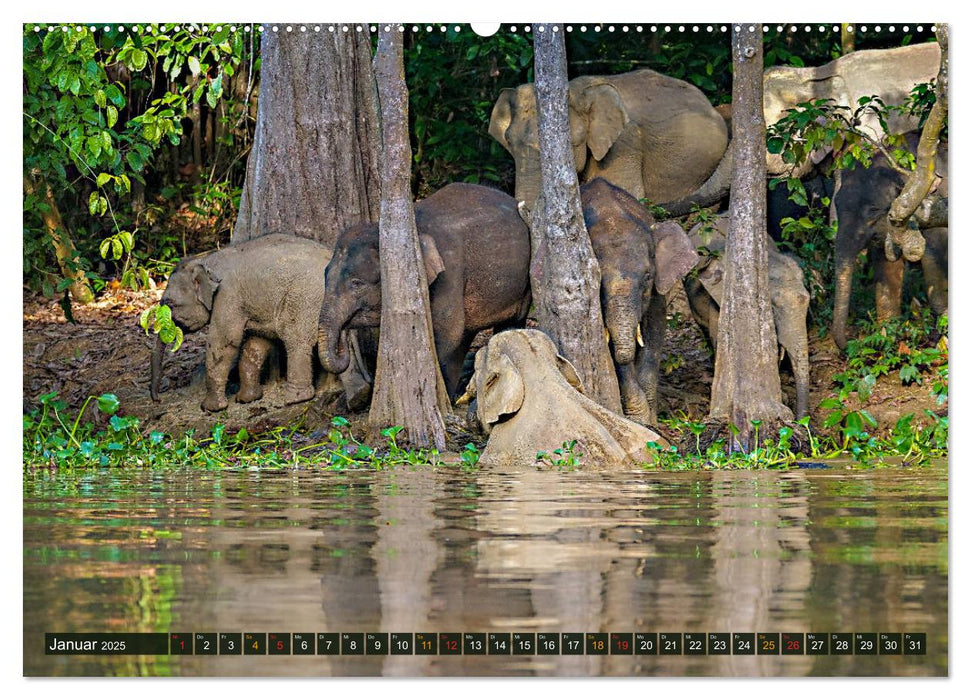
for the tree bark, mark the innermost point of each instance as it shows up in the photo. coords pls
(847, 39)
(746, 386)
(67, 258)
(919, 184)
(313, 169)
(564, 273)
(408, 385)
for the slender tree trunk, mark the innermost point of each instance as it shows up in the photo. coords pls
(565, 274)
(67, 258)
(847, 39)
(313, 169)
(746, 387)
(195, 114)
(919, 184)
(408, 386)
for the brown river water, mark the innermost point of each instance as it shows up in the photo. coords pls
(446, 550)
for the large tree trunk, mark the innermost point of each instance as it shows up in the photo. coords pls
(313, 169)
(564, 273)
(408, 386)
(746, 385)
(900, 238)
(67, 258)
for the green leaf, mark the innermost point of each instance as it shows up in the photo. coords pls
(103, 179)
(112, 115)
(194, 66)
(108, 403)
(127, 240)
(138, 59)
(93, 208)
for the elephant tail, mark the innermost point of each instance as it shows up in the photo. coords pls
(712, 191)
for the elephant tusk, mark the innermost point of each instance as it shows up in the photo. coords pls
(607, 334)
(640, 338)
(463, 399)
(782, 353)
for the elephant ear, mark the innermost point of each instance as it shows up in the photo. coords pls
(434, 266)
(602, 111)
(501, 391)
(674, 255)
(569, 372)
(204, 285)
(502, 117)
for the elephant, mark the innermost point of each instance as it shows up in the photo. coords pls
(640, 261)
(862, 204)
(889, 74)
(789, 298)
(265, 288)
(476, 251)
(529, 399)
(655, 136)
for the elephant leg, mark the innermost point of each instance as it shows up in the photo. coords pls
(790, 323)
(846, 254)
(451, 339)
(251, 359)
(648, 359)
(300, 374)
(934, 264)
(889, 277)
(225, 337)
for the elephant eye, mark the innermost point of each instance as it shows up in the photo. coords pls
(493, 378)
(357, 283)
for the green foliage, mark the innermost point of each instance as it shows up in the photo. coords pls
(158, 319)
(454, 79)
(824, 124)
(811, 238)
(469, 457)
(910, 346)
(51, 438)
(98, 107)
(907, 444)
(566, 456)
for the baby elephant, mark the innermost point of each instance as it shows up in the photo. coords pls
(529, 399)
(266, 288)
(790, 302)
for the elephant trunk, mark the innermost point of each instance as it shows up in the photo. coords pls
(528, 179)
(331, 346)
(156, 379)
(841, 300)
(799, 355)
(622, 325)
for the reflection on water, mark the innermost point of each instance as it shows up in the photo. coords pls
(449, 551)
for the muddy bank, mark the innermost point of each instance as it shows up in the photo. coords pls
(107, 351)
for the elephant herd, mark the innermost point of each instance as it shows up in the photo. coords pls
(634, 136)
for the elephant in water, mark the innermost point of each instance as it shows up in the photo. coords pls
(890, 74)
(529, 400)
(655, 136)
(789, 298)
